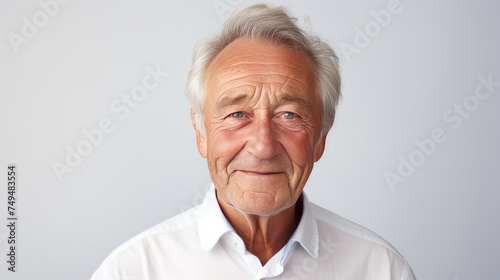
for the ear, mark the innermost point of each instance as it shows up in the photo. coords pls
(201, 139)
(319, 148)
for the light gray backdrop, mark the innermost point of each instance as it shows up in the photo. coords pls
(413, 154)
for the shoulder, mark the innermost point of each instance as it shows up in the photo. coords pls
(358, 247)
(133, 256)
(333, 223)
(179, 224)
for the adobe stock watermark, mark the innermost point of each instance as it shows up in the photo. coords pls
(197, 204)
(373, 28)
(454, 117)
(121, 107)
(31, 26)
(224, 8)
(309, 265)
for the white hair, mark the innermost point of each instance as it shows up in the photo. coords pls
(275, 25)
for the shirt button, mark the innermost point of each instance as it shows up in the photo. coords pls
(234, 241)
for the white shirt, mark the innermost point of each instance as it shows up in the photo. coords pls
(201, 244)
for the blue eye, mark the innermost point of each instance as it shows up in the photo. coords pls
(289, 115)
(237, 115)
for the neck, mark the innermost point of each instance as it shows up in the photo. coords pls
(264, 236)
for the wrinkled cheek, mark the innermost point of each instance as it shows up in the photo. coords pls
(217, 168)
(221, 170)
(301, 154)
(221, 151)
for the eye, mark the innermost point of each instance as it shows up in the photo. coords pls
(236, 115)
(289, 115)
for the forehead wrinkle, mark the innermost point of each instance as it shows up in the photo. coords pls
(284, 83)
(256, 64)
(247, 71)
(282, 94)
(231, 99)
(288, 97)
(256, 78)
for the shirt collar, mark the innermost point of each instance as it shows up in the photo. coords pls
(306, 234)
(212, 224)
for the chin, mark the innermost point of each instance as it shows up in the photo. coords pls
(260, 204)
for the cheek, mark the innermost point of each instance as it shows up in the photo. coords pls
(223, 147)
(299, 147)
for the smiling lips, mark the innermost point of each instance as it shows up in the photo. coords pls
(260, 173)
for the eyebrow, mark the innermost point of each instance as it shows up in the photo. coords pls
(291, 98)
(244, 98)
(232, 99)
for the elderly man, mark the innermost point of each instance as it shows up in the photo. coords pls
(263, 96)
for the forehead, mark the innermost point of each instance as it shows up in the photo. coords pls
(247, 63)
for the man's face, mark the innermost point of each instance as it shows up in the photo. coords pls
(263, 122)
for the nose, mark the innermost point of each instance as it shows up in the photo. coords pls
(263, 143)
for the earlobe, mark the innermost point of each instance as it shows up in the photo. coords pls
(200, 137)
(320, 148)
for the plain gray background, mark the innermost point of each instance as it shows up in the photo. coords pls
(400, 86)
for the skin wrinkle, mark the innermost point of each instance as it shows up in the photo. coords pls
(237, 58)
(284, 83)
(262, 74)
(227, 101)
(258, 159)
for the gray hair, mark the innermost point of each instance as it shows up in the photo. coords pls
(275, 25)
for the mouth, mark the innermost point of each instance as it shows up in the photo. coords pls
(260, 173)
